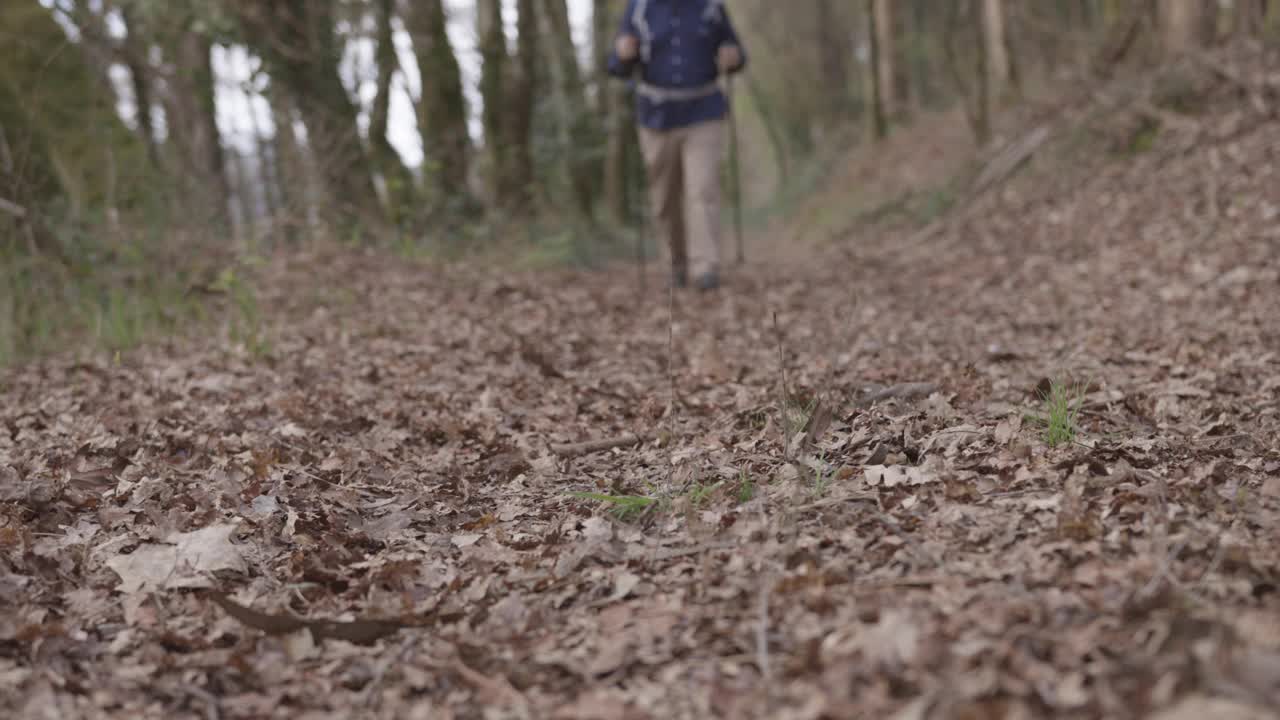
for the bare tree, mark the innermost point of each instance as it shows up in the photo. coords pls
(388, 163)
(963, 16)
(1248, 18)
(1180, 24)
(573, 119)
(135, 51)
(442, 111)
(190, 106)
(297, 39)
(993, 35)
(519, 101)
(881, 83)
(883, 56)
(835, 53)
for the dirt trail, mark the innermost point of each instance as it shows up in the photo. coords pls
(921, 557)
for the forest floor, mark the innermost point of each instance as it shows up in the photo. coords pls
(842, 502)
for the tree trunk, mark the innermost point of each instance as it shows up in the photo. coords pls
(1208, 18)
(518, 125)
(197, 135)
(977, 103)
(879, 86)
(295, 178)
(395, 175)
(834, 53)
(1123, 28)
(883, 56)
(577, 135)
(442, 111)
(993, 39)
(1180, 24)
(193, 140)
(984, 74)
(266, 198)
(493, 55)
(136, 52)
(57, 110)
(923, 70)
(297, 40)
(1248, 18)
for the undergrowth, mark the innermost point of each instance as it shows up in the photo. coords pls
(624, 507)
(1060, 412)
(112, 299)
(698, 495)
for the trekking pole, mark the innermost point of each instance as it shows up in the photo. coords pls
(735, 173)
(637, 196)
(629, 184)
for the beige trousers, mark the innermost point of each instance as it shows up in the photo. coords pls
(683, 166)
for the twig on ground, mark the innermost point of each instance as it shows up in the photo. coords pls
(1009, 159)
(786, 394)
(762, 636)
(673, 553)
(497, 689)
(406, 647)
(12, 208)
(212, 707)
(671, 382)
(814, 427)
(594, 446)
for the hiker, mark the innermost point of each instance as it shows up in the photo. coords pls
(680, 48)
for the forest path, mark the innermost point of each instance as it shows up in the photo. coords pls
(389, 456)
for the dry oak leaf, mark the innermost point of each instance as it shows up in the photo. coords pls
(183, 562)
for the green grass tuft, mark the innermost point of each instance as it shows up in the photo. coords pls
(1060, 412)
(822, 481)
(701, 493)
(746, 487)
(624, 507)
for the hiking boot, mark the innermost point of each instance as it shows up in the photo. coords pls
(707, 281)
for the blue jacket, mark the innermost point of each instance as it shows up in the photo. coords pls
(679, 40)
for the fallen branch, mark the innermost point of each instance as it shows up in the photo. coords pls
(594, 446)
(359, 632)
(901, 391)
(762, 635)
(673, 553)
(1231, 74)
(1010, 159)
(12, 208)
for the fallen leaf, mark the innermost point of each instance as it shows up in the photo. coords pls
(1007, 429)
(184, 562)
(593, 705)
(300, 645)
(894, 475)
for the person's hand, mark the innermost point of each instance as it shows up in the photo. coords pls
(627, 47)
(728, 58)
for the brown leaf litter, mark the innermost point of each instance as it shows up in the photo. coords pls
(388, 492)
